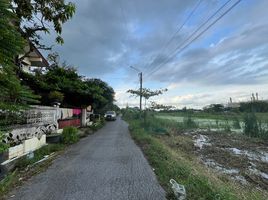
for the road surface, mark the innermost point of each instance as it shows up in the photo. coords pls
(106, 165)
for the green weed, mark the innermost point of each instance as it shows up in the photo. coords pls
(70, 135)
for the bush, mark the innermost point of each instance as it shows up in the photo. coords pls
(251, 125)
(70, 135)
(97, 125)
(254, 127)
(189, 123)
(3, 146)
(236, 123)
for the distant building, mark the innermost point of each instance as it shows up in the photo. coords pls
(233, 105)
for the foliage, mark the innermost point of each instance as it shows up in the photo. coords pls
(55, 96)
(97, 125)
(107, 107)
(214, 108)
(189, 123)
(39, 154)
(168, 166)
(102, 94)
(251, 125)
(13, 95)
(70, 135)
(254, 106)
(254, 127)
(236, 123)
(37, 16)
(8, 182)
(3, 146)
(77, 91)
(11, 42)
(146, 93)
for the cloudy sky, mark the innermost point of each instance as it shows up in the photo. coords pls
(105, 37)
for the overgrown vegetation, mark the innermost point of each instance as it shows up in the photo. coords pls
(97, 124)
(3, 146)
(70, 135)
(39, 154)
(13, 95)
(255, 127)
(167, 166)
(179, 163)
(7, 182)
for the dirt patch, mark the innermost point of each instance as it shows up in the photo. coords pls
(242, 159)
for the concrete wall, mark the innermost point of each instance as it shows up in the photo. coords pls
(26, 147)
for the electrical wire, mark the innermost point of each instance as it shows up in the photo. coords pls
(183, 46)
(168, 42)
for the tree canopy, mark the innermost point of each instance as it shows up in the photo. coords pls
(37, 16)
(75, 90)
(13, 95)
(11, 42)
(146, 93)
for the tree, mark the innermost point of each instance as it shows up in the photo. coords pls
(146, 93)
(11, 42)
(13, 95)
(214, 108)
(102, 94)
(37, 16)
(77, 91)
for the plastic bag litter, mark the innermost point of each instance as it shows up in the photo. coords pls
(179, 190)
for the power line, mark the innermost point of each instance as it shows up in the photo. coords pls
(182, 47)
(167, 43)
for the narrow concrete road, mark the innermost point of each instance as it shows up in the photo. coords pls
(107, 165)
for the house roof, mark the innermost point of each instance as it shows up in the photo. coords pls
(34, 58)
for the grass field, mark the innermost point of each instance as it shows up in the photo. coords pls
(220, 121)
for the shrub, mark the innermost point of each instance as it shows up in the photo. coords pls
(251, 125)
(188, 122)
(97, 125)
(236, 123)
(255, 127)
(70, 135)
(3, 146)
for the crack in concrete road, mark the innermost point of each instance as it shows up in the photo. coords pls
(106, 165)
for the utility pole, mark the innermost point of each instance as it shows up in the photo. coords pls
(140, 76)
(140, 91)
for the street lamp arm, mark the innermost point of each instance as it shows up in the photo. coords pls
(135, 68)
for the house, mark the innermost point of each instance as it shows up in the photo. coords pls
(31, 59)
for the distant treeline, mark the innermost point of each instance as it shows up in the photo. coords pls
(255, 106)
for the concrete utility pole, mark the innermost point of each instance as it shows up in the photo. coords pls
(140, 75)
(140, 91)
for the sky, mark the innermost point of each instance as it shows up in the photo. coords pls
(230, 59)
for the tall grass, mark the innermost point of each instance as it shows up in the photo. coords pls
(255, 127)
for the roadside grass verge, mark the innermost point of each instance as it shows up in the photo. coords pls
(199, 181)
(39, 154)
